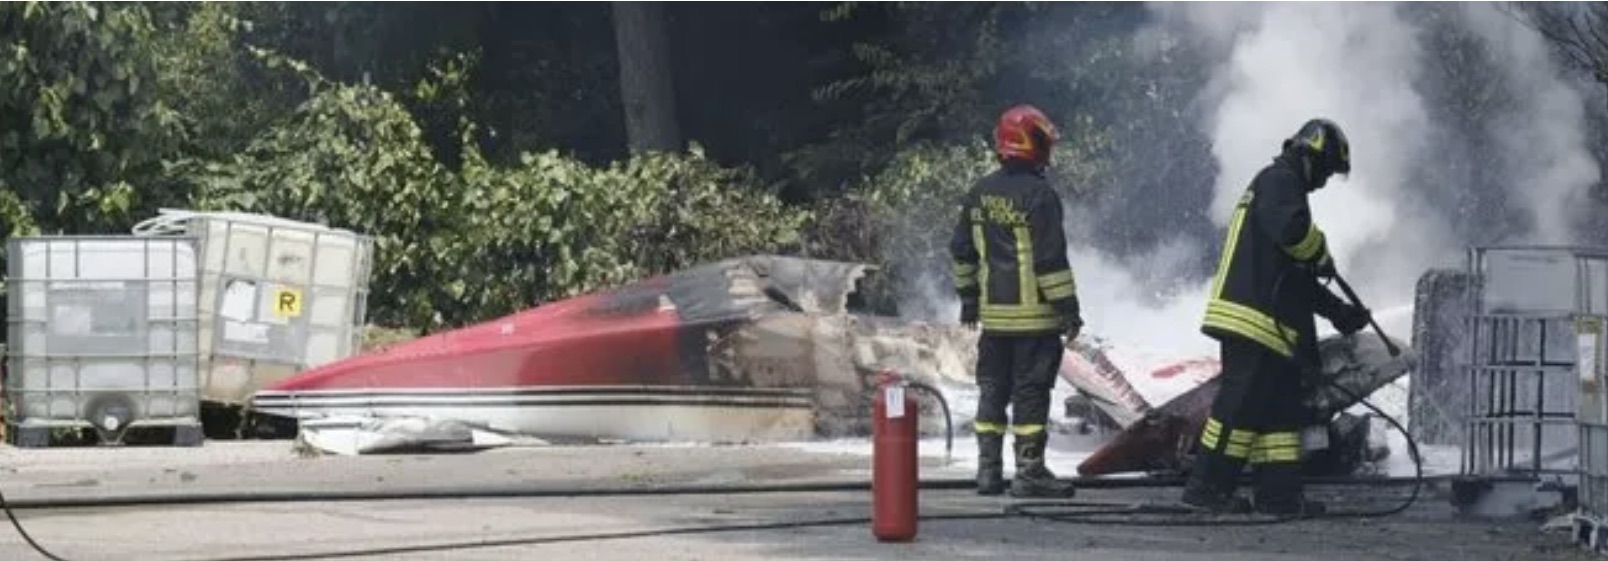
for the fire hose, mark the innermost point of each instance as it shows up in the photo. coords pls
(954, 484)
(1079, 512)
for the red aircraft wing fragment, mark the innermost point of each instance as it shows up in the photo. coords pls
(1087, 368)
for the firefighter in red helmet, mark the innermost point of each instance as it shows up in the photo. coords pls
(1012, 276)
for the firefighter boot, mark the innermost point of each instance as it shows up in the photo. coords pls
(1211, 485)
(1279, 491)
(990, 464)
(1033, 478)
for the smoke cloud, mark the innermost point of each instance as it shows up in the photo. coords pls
(1118, 309)
(1352, 63)
(1464, 130)
(1275, 65)
(1546, 162)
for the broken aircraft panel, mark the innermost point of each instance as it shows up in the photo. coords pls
(1164, 439)
(1102, 383)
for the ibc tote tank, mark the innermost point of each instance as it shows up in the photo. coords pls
(277, 296)
(102, 335)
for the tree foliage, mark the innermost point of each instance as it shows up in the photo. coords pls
(484, 148)
(455, 246)
(353, 158)
(1577, 30)
(82, 120)
(925, 82)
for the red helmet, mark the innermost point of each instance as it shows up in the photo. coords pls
(1024, 133)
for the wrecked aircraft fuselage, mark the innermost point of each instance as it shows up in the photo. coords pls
(752, 349)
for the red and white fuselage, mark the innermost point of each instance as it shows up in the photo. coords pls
(625, 364)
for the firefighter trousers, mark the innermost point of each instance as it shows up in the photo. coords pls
(1016, 371)
(1257, 420)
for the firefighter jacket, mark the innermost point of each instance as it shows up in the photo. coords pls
(1265, 290)
(1009, 252)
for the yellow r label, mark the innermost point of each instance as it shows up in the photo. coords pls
(287, 302)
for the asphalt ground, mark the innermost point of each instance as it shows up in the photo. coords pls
(590, 527)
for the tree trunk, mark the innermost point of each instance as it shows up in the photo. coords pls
(646, 89)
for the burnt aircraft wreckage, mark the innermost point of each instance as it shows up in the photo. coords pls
(752, 349)
(1163, 439)
(759, 348)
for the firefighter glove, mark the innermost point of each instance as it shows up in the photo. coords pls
(1351, 319)
(1071, 328)
(968, 314)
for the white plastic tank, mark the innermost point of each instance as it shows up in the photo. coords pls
(277, 296)
(102, 334)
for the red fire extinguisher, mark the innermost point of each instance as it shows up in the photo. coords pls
(893, 457)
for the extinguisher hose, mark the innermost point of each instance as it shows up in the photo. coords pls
(949, 420)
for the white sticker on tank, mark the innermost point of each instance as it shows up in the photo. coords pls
(239, 299)
(896, 401)
(245, 332)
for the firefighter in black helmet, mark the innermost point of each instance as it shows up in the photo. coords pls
(1260, 309)
(1011, 272)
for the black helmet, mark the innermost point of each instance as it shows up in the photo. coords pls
(1325, 144)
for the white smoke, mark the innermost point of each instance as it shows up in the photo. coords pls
(1352, 63)
(1277, 65)
(1548, 166)
(1358, 63)
(1132, 301)
(1116, 310)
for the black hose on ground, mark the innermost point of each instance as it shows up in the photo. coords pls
(1012, 511)
(1084, 509)
(24, 533)
(570, 491)
(1016, 510)
(1130, 510)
